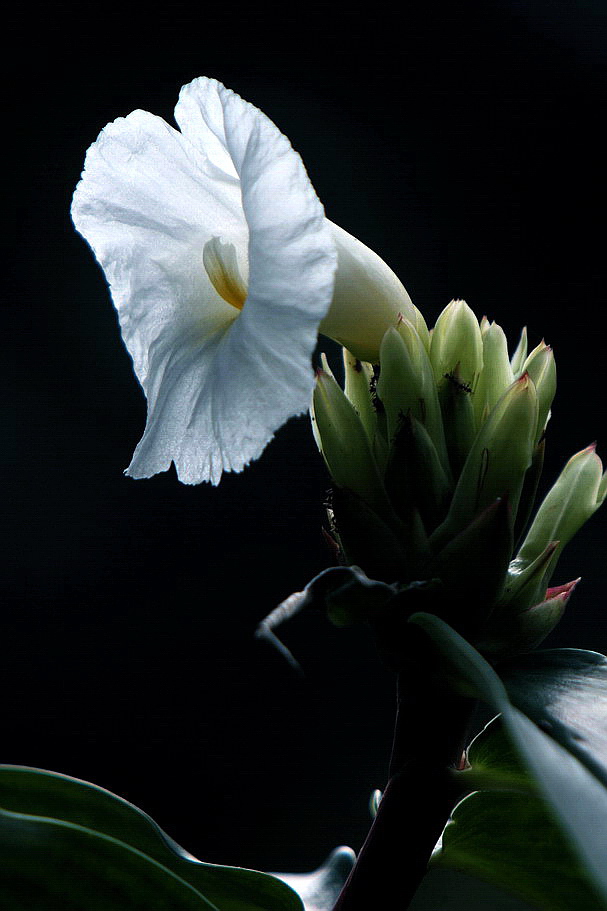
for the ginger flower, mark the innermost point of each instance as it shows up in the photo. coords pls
(223, 269)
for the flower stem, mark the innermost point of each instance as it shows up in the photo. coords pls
(430, 734)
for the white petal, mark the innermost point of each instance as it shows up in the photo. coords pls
(367, 301)
(218, 383)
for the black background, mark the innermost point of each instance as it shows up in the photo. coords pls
(465, 146)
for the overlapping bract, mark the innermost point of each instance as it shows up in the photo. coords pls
(436, 453)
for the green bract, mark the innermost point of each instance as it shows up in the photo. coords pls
(435, 454)
(345, 443)
(577, 494)
(498, 374)
(457, 344)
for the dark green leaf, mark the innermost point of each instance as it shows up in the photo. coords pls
(446, 889)
(510, 840)
(575, 797)
(508, 837)
(495, 763)
(565, 692)
(74, 823)
(48, 864)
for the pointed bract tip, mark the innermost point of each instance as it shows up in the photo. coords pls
(562, 591)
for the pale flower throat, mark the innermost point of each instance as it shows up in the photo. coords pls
(221, 266)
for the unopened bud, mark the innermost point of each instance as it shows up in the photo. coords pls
(496, 374)
(498, 459)
(572, 500)
(458, 419)
(457, 344)
(406, 384)
(358, 377)
(344, 442)
(520, 355)
(509, 634)
(524, 580)
(414, 478)
(541, 367)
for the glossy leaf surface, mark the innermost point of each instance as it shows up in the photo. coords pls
(575, 797)
(505, 834)
(565, 692)
(67, 840)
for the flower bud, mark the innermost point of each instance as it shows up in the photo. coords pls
(508, 634)
(520, 355)
(436, 468)
(399, 386)
(457, 343)
(496, 374)
(406, 384)
(498, 459)
(344, 443)
(414, 478)
(358, 376)
(458, 419)
(576, 495)
(524, 581)
(541, 367)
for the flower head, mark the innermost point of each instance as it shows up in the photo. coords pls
(221, 265)
(435, 456)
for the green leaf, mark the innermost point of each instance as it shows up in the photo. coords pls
(446, 889)
(575, 797)
(507, 836)
(65, 838)
(47, 863)
(495, 763)
(564, 691)
(320, 889)
(511, 840)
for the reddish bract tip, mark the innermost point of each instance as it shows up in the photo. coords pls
(524, 380)
(562, 591)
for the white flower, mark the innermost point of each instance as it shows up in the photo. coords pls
(221, 266)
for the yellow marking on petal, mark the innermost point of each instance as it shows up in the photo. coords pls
(221, 266)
